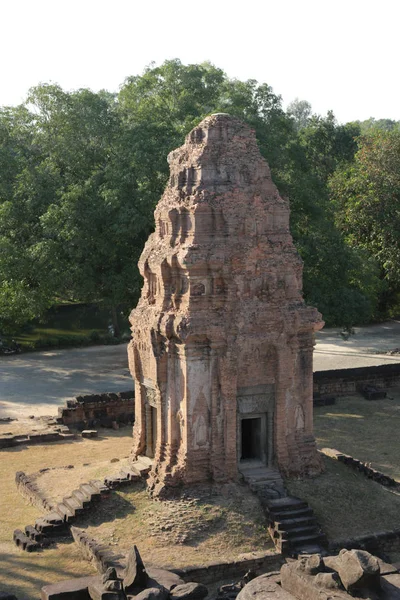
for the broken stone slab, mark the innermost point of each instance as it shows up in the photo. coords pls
(89, 433)
(263, 587)
(135, 575)
(390, 586)
(359, 571)
(71, 589)
(152, 593)
(104, 591)
(296, 581)
(386, 568)
(167, 579)
(189, 591)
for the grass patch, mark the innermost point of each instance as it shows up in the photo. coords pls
(24, 574)
(347, 504)
(367, 430)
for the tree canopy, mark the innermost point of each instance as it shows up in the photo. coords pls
(81, 172)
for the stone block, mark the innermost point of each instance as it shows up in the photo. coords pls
(189, 591)
(71, 589)
(89, 433)
(263, 588)
(359, 571)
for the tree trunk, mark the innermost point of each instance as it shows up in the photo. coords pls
(115, 324)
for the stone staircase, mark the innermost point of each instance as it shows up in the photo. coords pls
(294, 528)
(291, 522)
(57, 523)
(265, 482)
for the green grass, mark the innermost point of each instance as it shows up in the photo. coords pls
(346, 503)
(367, 430)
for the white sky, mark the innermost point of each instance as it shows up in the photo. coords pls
(337, 54)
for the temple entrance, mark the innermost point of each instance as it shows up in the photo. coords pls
(251, 439)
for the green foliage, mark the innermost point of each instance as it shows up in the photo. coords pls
(367, 196)
(81, 172)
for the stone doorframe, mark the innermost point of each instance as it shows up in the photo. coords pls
(150, 419)
(257, 402)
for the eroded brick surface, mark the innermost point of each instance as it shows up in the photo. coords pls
(221, 333)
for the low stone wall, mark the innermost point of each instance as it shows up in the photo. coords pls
(349, 381)
(362, 467)
(29, 490)
(9, 441)
(99, 409)
(101, 556)
(235, 569)
(383, 542)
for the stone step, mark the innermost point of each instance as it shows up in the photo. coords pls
(116, 481)
(129, 474)
(310, 549)
(91, 492)
(100, 487)
(32, 533)
(279, 516)
(146, 460)
(65, 512)
(264, 480)
(23, 542)
(289, 524)
(53, 518)
(140, 469)
(289, 503)
(81, 498)
(73, 504)
(291, 534)
(259, 471)
(263, 483)
(48, 529)
(298, 542)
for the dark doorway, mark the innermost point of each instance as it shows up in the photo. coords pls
(251, 439)
(151, 431)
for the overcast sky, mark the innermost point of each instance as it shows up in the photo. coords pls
(337, 54)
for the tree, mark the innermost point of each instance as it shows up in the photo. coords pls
(367, 195)
(72, 223)
(81, 173)
(301, 111)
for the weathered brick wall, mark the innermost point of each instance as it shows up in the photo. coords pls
(348, 381)
(221, 311)
(99, 409)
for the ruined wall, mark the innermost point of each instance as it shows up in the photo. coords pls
(98, 409)
(221, 323)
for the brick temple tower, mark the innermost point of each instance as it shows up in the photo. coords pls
(222, 340)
